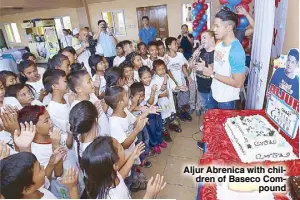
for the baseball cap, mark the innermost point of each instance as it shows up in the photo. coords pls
(75, 31)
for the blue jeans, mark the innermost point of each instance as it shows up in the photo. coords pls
(155, 128)
(230, 105)
(143, 136)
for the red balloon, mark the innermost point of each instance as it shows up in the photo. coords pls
(201, 1)
(199, 37)
(222, 2)
(245, 6)
(205, 7)
(198, 17)
(201, 12)
(246, 1)
(195, 23)
(194, 28)
(239, 20)
(204, 28)
(194, 4)
(245, 43)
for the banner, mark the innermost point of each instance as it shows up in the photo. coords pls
(51, 41)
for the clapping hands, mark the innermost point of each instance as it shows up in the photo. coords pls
(24, 138)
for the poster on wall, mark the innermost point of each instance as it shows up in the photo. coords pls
(283, 93)
(51, 40)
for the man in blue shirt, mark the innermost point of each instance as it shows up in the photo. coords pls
(147, 33)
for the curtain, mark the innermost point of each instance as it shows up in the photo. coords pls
(261, 52)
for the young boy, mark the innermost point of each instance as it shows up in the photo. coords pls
(120, 55)
(153, 52)
(142, 48)
(127, 47)
(177, 70)
(70, 53)
(162, 52)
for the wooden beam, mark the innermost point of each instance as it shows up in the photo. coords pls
(84, 2)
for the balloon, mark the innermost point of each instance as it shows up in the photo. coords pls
(198, 29)
(193, 17)
(245, 43)
(204, 28)
(198, 17)
(205, 6)
(201, 1)
(202, 12)
(245, 6)
(199, 37)
(243, 23)
(246, 1)
(194, 12)
(234, 2)
(194, 28)
(195, 34)
(194, 4)
(231, 7)
(199, 6)
(204, 17)
(202, 22)
(195, 23)
(223, 2)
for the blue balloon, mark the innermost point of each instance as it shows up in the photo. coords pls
(195, 34)
(202, 22)
(231, 7)
(194, 12)
(199, 28)
(204, 17)
(193, 17)
(199, 6)
(234, 2)
(243, 23)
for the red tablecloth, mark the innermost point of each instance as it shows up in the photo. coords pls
(220, 150)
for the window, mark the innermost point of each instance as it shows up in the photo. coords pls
(62, 23)
(187, 15)
(12, 33)
(115, 20)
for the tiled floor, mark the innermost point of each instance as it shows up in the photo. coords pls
(171, 162)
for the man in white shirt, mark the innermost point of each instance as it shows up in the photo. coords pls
(66, 39)
(228, 70)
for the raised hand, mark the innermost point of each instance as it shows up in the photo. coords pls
(154, 88)
(70, 178)
(154, 187)
(4, 150)
(140, 124)
(24, 138)
(241, 10)
(9, 120)
(97, 81)
(138, 150)
(98, 105)
(55, 135)
(58, 155)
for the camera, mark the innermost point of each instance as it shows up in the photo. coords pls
(92, 45)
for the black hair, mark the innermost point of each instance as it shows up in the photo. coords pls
(160, 43)
(130, 57)
(26, 55)
(56, 61)
(145, 17)
(295, 53)
(152, 43)
(119, 45)
(97, 163)
(184, 25)
(77, 67)
(113, 95)
(82, 118)
(16, 174)
(227, 15)
(100, 21)
(125, 42)
(74, 79)
(4, 75)
(143, 69)
(169, 41)
(68, 49)
(93, 62)
(141, 44)
(126, 64)
(112, 76)
(137, 87)
(157, 63)
(51, 77)
(24, 64)
(12, 90)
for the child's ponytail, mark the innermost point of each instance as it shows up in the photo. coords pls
(112, 76)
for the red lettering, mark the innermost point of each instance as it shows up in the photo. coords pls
(296, 105)
(274, 36)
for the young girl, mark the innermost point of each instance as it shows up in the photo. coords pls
(155, 121)
(59, 61)
(8, 78)
(142, 48)
(106, 167)
(153, 52)
(30, 75)
(136, 61)
(127, 73)
(177, 71)
(70, 53)
(76, 67)
(98, 66)
(20, 95)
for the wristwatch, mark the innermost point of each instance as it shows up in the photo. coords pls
(213, 75)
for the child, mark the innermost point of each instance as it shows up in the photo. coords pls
(120, 55)
(161, 48)
(154, 126)
(166, 86)
(127, 68)
(59, 61)
(8, 78)
(30, 75)
(136, 61)
(153, 52)
(107, 182)
(70, 53)
(55, 83)
(29, 56)
(76, 67)
(177, 71)
(127, 47)
(142, 48)
(20, 95)
(81, 84)
(98, 65)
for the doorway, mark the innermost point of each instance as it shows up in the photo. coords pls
(158, 19)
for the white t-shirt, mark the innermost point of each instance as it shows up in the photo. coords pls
(84, 58)
(149, 63)
(8, 139)
(144, 61)
(38, 86)
(83, 146)
(148, 94)
(120, 191)
(102, 83)
(136, 77)
(118, 60)
(175, 67)
(47, 194)
(66, 40)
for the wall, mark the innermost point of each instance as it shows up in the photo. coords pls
(291, 39)
(82, 17)
(18, 19)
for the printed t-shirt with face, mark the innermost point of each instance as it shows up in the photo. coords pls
(175, 67)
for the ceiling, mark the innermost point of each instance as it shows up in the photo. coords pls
(8, 7)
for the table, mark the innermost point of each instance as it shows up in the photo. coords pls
(220, 150)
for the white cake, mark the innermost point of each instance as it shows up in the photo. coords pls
(255, 140)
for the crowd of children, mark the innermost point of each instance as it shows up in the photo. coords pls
(67, 134)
